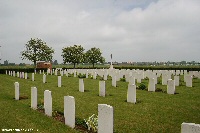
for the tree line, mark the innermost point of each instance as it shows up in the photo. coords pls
(38, 50)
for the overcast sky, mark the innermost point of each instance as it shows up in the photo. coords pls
(132, 30)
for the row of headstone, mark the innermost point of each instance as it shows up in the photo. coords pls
(105, 112)
(18, 74)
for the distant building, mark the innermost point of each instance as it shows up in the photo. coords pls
(43, 64)
(55, 62)
(6, 62)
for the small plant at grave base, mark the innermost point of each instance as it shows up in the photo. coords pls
(40, 106)
(141, 87)
(123, 79)
(92, 122)
(159, 81)
(54, 113)
(91, 77)
(158, 90)
(69, 75)
(79, 121)
(101, 78)
(59, 116)
(82, 76)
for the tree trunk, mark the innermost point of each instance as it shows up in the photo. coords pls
(35, 65)
(74, 65)
(93, 65)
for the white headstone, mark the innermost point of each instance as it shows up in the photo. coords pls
(13, 73)
(131, 80)
(56, 72)
(33, 77)
(61, 72)
(16, 91)
(105, 118)
(95, 75)
(102, 88)
(34, 97)
(170, 86)
(25, 76)
(131, 93)
(87, 74)
(190, 128)
(6, 72)
(44, 78)
(81, 85)
(105, 77)
(139, 80)
(176, 78)
(40, 72)
(188, 81)
(18, 74)
(114, 81)
(151, 85)
(69, 111)
(59, 81)
(48, 102)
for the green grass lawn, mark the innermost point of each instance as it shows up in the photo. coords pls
(156, 112)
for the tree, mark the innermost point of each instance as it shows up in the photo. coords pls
(94, 55)
(37, 50)
(73, 54)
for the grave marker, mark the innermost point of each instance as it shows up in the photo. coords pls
(34, 97)
(48, 102)
(105, 118)
(102, 88)
(69, 111)
(131, 93)
(44, 78)
(151, 85)
(59, 81)
(33, 77)
(81, 85)
(190, 128)
(16, 91)
(170, 86)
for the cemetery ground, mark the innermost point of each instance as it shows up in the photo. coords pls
(154, 112)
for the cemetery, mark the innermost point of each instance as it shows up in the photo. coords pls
(67, 100)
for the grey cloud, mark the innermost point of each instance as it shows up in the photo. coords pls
(135, 30)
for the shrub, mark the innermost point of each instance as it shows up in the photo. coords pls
(123, 79)
(142, 87)
(82, 75)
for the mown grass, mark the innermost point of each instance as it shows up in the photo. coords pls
(156, 112)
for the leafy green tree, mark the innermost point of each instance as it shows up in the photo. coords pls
(73, 54)
(94, 55)
(37, 50)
